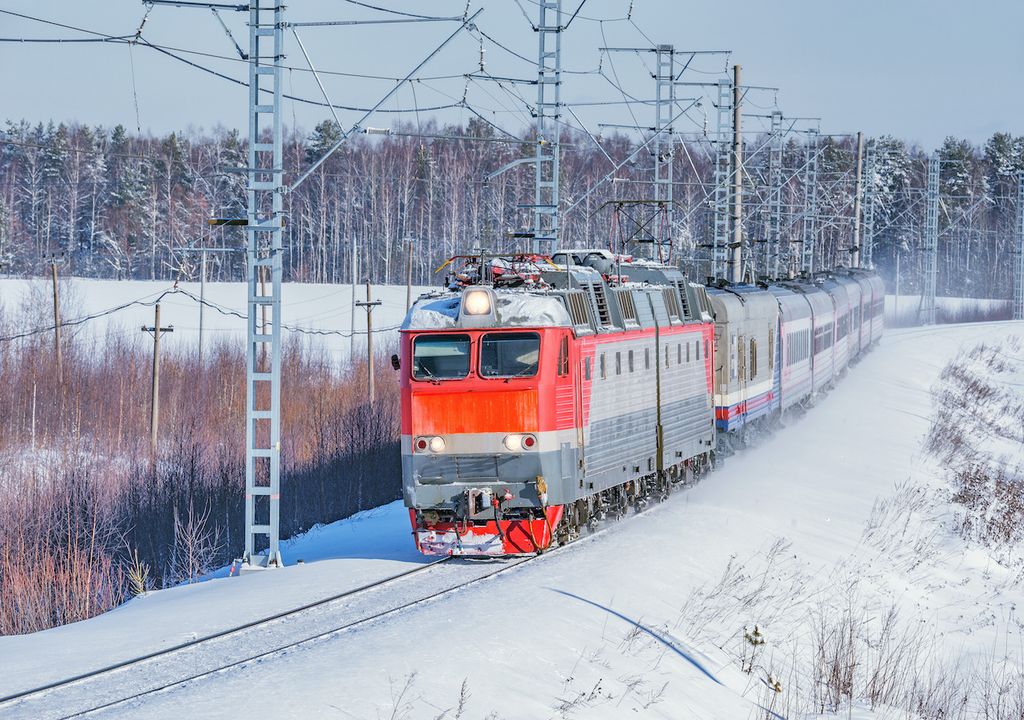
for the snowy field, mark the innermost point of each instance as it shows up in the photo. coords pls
(841, 513)
(322, 309)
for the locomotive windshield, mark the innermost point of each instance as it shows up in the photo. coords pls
(509, 354)
(440, 357)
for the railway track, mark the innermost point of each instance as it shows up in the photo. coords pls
(129, 680)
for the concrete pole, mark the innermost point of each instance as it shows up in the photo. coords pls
(352, 319)
(154, 403)
(408, 275)
(736, 249)
(58, 352)
(202, 304)
(857, 199)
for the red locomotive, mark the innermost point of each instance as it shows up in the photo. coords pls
(561, 390)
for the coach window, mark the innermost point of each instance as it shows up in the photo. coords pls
(771, 349)
(509, 354)
(753, 358)
(440, 357)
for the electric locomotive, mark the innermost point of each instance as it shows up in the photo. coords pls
(539, 394)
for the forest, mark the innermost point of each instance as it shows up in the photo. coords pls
(114, 204)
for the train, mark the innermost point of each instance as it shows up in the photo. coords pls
(540, 394)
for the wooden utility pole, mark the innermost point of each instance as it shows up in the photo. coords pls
(369, 305)
(58, 353)
(154, 402)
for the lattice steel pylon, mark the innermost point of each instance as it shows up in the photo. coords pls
(931, 243)
(1018, 260)
(548, 111)
(723, 179)
(810, 224)
(867, 233)
(263, 253)
(773, 246)
(663, 145)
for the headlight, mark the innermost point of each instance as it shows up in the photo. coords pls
(476, 302)
(433, 443)
(519, 443)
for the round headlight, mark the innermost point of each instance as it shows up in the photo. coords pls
(476, 302)
(436, 444)
(514, 442)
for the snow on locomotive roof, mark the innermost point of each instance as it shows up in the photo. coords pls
(513, 309)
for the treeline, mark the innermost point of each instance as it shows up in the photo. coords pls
(121, 205)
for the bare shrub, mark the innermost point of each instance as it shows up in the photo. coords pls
(84, 512)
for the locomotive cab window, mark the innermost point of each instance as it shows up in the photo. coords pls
(440, 357)
(509, 354)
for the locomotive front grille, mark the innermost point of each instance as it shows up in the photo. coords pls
(460, 468)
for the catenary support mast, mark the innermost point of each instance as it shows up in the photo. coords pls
(546, 158)
(263, 229)
(1018, 259)
(664, 142)
(931, 243)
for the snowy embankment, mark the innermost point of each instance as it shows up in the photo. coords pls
(319, 312)
(833, 537)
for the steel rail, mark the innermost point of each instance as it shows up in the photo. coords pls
(23, 694)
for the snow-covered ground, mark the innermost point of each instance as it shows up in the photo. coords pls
(839, 515)
(310, 307)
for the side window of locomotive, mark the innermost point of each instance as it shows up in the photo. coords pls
(586, 368)
(563, 357)
(509, 354)
(679, 354)
(630, 361)
(687, 352)
(604, 368)
(647, 358)
(618, 363)
(440, 357)
(666, 356)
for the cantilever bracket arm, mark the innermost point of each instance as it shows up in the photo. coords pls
(357, 126)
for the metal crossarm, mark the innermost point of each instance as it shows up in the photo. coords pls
(931, 243)
(546, 158)
(723, 179)
(263, 254)
(810, 202)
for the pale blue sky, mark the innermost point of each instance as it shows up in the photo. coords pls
(920, 69)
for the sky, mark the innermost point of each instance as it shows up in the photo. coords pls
(918, 69)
